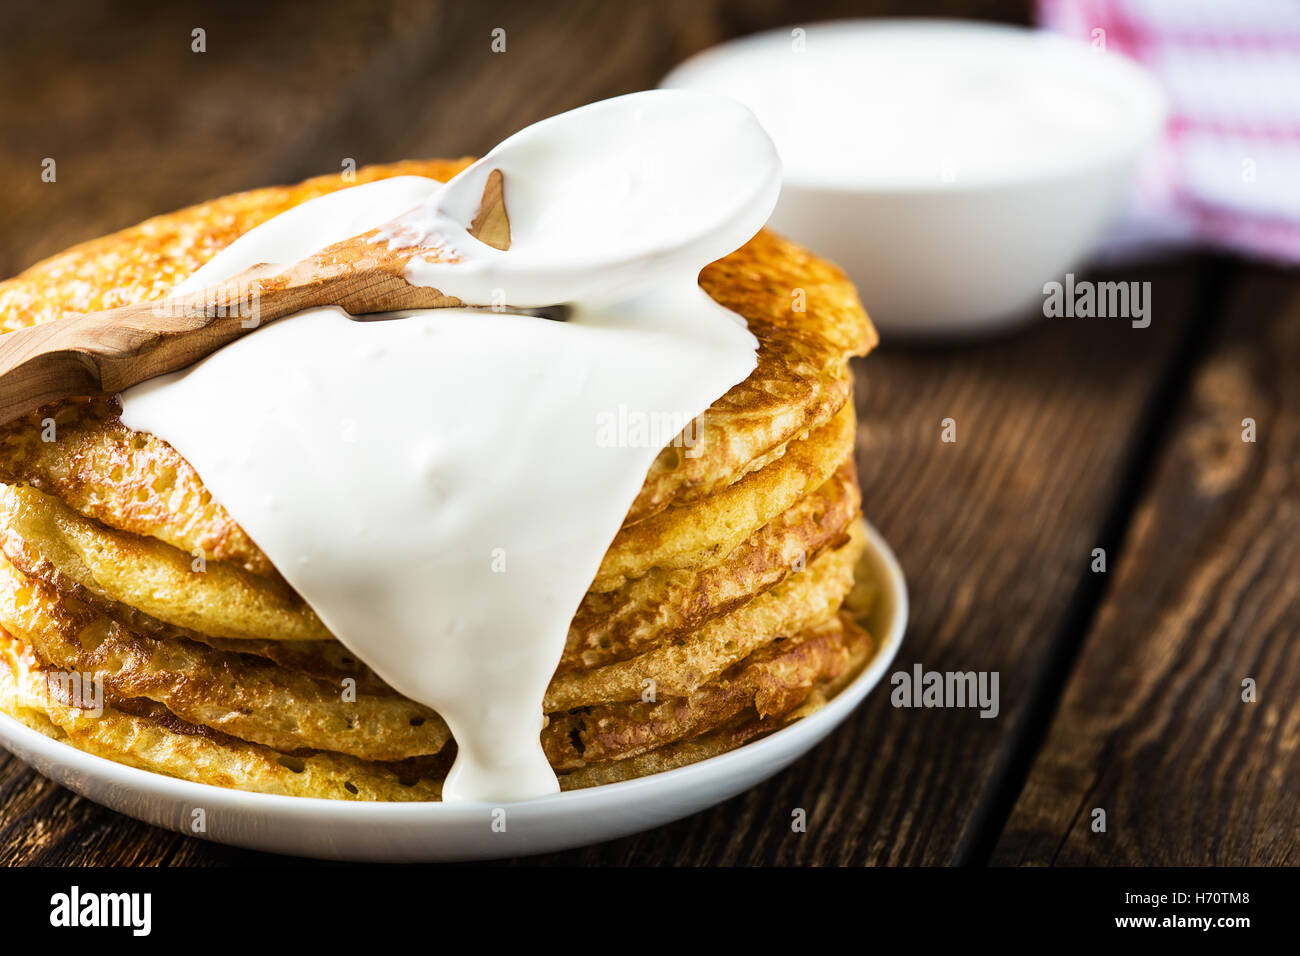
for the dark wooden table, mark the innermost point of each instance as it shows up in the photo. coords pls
(1119, 690)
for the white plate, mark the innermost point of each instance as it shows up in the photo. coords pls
(416, 832)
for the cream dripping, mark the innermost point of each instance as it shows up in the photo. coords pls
(441, 487)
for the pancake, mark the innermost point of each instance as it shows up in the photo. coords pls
(139, 483)
(658, 608)
(770, 682)
(663, 603)
(234, 693)
(724, 608)
(145, 261)
(148, 740)
(257, 700)
(735, 732)
(678, 667)
(150, 585)
(701, 532)
(154, 586)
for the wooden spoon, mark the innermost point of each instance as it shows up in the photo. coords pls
(112, 350)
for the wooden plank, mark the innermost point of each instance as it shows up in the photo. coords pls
(469, 97)
(43, 824)
(557, 57)
(139, 124)
(1152, 728)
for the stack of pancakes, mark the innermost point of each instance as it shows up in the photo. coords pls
(725, 607)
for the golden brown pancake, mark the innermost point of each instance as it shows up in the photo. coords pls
(151, 738)
(257, 700)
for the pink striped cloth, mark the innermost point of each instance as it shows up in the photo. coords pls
(1228, 171)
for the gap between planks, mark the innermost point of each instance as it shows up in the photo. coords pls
(1154, 432)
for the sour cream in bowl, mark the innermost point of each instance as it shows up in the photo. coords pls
(951, 168)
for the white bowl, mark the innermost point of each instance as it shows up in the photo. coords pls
(950, 207)
(422, 832)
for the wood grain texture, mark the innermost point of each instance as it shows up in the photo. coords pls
(994, 531)
(137, 123)
(1152, 728)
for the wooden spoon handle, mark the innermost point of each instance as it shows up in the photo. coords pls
(115, 349)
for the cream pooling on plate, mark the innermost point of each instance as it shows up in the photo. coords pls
(440, 488)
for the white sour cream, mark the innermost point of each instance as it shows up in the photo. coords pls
(441, 487)
(908, 104)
